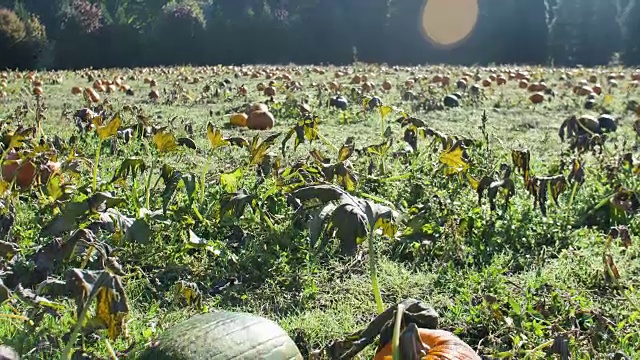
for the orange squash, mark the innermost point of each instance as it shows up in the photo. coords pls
(76, 90)
(387, 85)
(257, 107)
(239, 119)
(154, 95)
(270, 91)
(92, 94)
(38, 91)
(536, 98)
(443, 345)
(260, 120)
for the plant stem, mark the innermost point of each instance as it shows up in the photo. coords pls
(533, 351)
(112, 353)
(395, 342)
(573, 193)
(202, 176)
(148, 187)
(374, 275)
(95, 167)
(326, 141)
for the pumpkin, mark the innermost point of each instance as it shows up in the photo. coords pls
(501, 80)
(24, 173)
(153, 83)
(593, 79)
(387, 85)
(536, 98)
(635, 76)
(260, 87)
(523, 84)
(442, 345)
(461, 84)
(270, 91)
(257, 107)
(36, 83)
(409, 83)
(445, 80)
(486, 82)
(242, 90)
(583, 90)
(597, 89)
(76, 90)
(38, 91)
(436, 78)
(224, 336)
(239, 119)
(97, 84)
(493, 77)
(357, 79)
(154, 95)
(92, 94)
(260, 120)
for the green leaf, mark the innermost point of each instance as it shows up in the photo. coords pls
(230, 180)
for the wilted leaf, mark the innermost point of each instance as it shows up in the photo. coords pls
(611, 273)
(17, 139)
(215, 137)
(304, 130)
(259, 149)
(346, 150)
(108, 130)
(621, 232)
(455, 158)
(577, 172)
(165, 142)
(235, 203)
(132, 166)
(111, 300)
(521, 159)
(351, 220)
(188, 292)
(195, 241)
(385, 110)
(187, 142)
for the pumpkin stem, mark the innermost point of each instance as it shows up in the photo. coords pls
(374, 276)
(395, 343)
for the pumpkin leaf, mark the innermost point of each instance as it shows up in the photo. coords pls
(521, 159)
(195, 241)
(132, 166)
(455, 158)
(259, 149)
(17, 139)
(304, 130)
(385, 110)
(111, 300)
(351, 219)
(235, 203)
(346, 150)
(229, 181)
(165, 142)
(108, 130)
(215, 137)
(171, 178)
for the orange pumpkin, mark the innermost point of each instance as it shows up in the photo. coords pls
(357, 79)
(239, 119)
(523, 84)
(76, 90)
(486, 82)
(536, 98)
(387, 85)
(442, 345)
(501, 80)
(257, 107)
(270, 91)
(23, 172)
(154, 95)
(92, 94)
(260, 120)
(38, 91)
(409, 83)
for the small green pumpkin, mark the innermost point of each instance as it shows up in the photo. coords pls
(224, 336)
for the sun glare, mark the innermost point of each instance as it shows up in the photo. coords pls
(448, 22)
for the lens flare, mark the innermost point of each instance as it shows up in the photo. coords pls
(448, 22)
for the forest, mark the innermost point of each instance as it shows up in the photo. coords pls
(72, 34)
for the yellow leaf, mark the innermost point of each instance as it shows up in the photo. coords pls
(108, 130)
(472, 181)
(215, 137)
(455, 159)
(607, 99)
(4, 187)
(165, 141)
(54, 188)
(385, 110)
(388, 227)
(113, 320)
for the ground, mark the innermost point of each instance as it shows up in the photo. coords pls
(508, 281)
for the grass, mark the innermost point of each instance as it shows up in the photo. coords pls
(507, 282)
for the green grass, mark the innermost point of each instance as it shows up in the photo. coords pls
(506, 282)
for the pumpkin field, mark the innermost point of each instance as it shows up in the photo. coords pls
(502, 201)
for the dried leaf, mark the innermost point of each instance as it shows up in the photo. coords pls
(215, 137)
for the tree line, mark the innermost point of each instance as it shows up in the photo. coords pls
(70, 34)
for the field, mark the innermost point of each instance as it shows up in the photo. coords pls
(521, 241)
